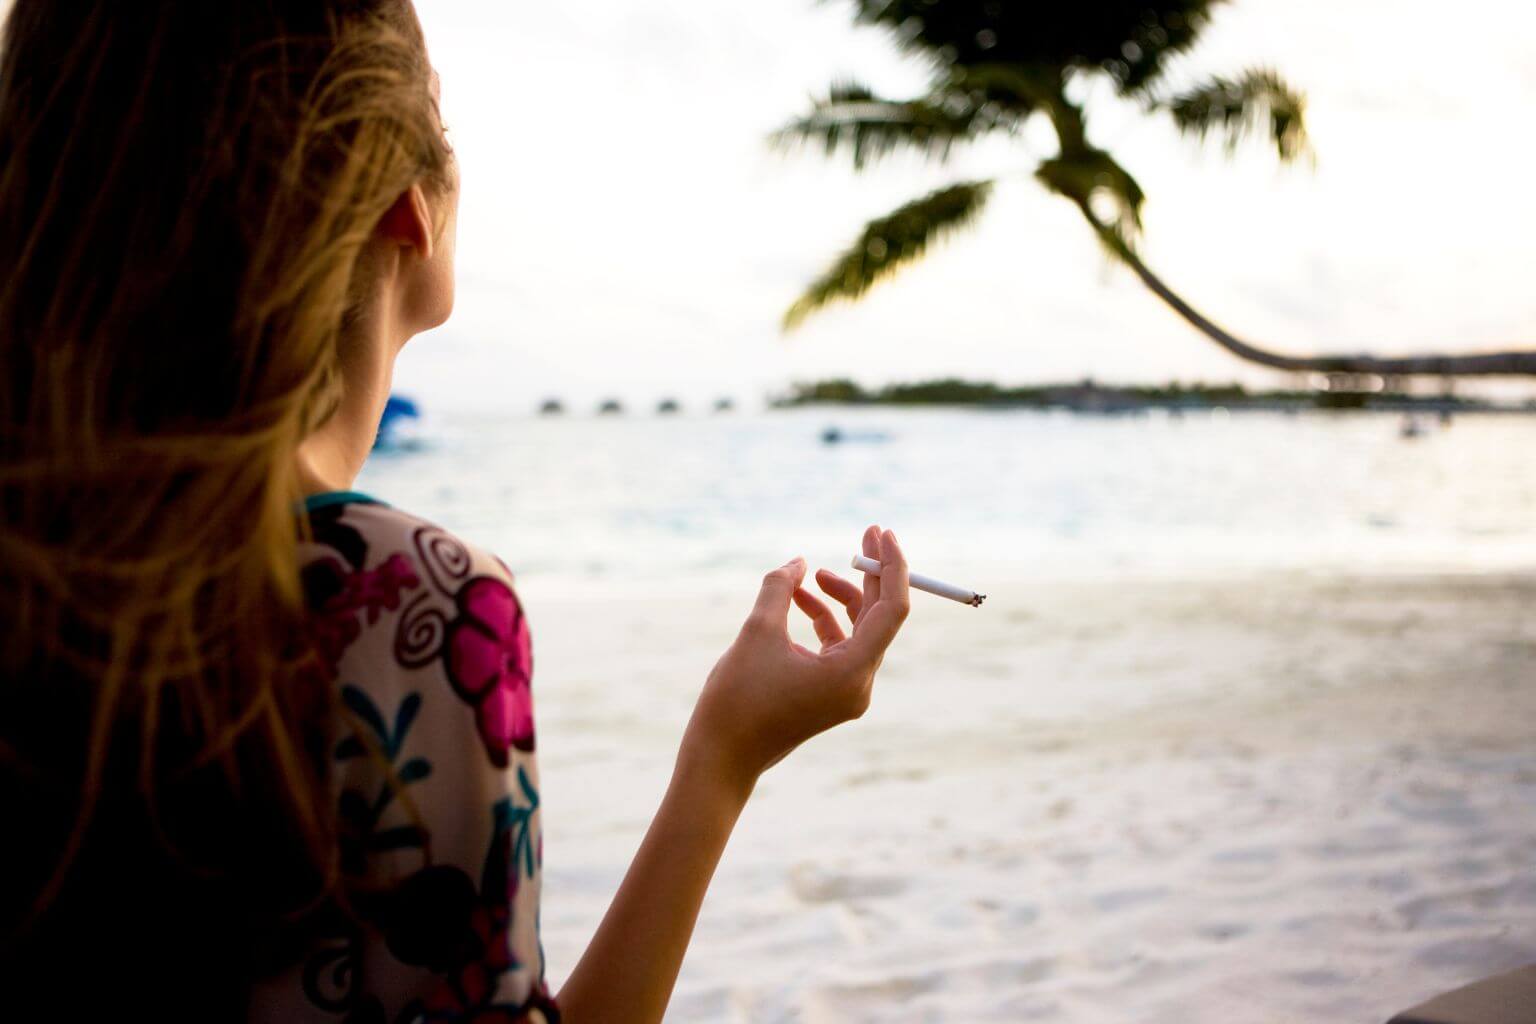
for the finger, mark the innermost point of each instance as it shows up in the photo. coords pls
(841, 591)
(893, 566)
(773, 599)
(881, 620)
(822, 619)
(872, 550)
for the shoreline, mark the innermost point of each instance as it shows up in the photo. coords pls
(742, 581)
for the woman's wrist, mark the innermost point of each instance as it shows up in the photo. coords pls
(708, 774)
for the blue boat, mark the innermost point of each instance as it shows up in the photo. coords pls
(396, 410)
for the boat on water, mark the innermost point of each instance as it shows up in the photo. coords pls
(837, 435)
(395, 434)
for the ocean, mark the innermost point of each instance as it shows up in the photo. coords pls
(679, 498)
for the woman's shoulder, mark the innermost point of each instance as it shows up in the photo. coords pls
(396, 597)
(365, 532)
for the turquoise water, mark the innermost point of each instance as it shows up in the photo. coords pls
(971, 491)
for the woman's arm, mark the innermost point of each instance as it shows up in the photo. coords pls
(764, 697)
(631, 964)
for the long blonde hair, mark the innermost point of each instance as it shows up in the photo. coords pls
(186, 193)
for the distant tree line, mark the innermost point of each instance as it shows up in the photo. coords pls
(1090, 396)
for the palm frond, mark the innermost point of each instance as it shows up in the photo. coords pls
(1019, 88)
(1154, 42)
(889, 243)
(1256, 101)
(1086, 175)
(852, 117)
(850, 90)
(1132, 41)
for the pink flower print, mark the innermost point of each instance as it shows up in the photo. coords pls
(379, 588)
(330, 627)
(333, 632)
(490, 662)
(335, 596)
(467, 994)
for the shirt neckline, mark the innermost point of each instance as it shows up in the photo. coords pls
(325, 499)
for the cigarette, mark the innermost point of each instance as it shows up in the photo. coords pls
(925, 583)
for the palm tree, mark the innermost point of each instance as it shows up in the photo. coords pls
(997, 63)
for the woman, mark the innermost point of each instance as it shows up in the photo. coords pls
(267, 745)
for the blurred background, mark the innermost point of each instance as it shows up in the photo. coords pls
(627, 231)
(1244, 726)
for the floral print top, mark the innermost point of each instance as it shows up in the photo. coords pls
(425, 639)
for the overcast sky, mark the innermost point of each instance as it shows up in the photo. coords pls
(624, 228)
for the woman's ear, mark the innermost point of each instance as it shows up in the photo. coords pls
(408, 222)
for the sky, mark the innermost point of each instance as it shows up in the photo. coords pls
(625, 229)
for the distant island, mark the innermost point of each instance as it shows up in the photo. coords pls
(1089, 396)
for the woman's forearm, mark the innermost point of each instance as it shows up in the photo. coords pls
(764, 697)
(630, 966)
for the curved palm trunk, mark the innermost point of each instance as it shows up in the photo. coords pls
(1485, 364)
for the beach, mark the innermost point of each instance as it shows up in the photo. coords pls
(1244, 730)
(1280, 798)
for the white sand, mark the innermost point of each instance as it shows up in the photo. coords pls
(1275, 799)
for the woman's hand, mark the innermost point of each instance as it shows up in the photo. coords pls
(767, 694)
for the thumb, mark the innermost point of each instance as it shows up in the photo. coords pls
(777, 590)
